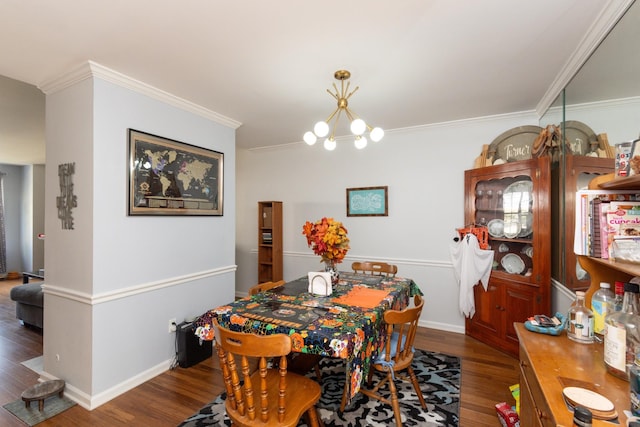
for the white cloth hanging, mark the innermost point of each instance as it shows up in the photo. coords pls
(471, 265)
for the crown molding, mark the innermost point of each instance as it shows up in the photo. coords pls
(92, 69)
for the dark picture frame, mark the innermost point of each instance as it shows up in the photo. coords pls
(168, 177)
(367, 201)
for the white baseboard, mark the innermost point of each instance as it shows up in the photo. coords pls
(442, 326)
(91, 402)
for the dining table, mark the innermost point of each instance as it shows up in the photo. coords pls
(347, 324)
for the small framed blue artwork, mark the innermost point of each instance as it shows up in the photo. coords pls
(367, 201)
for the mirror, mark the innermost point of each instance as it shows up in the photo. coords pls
(604, 95)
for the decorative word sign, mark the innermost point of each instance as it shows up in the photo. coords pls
(515, 144)
(66, 201)
(513, 152)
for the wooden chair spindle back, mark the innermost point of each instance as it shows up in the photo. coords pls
(404, 324)
(265, 286)
(398, 355)
(375, 268)
(261, 393)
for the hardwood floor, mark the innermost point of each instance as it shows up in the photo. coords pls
(174, 395)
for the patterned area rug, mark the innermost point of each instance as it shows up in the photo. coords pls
(438, 375)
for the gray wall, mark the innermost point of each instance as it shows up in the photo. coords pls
(38, 173)
(24, 198)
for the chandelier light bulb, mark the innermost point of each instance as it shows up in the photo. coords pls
(360, 142)
(310, 138)
(330, 144)
(358, 126)
(321, 129)
(376, 134)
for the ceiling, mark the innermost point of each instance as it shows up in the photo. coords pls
(267, 65)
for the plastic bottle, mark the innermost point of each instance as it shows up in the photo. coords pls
(580, 328)
(634, 389)
(617, 303)
(622, 334)
(601, 304)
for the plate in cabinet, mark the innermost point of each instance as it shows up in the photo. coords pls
(512, 264)
(528, 251)
(496, 227)
(526, 224)
(517, 198)
(519, 187)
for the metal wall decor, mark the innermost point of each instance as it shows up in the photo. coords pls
(67, 200)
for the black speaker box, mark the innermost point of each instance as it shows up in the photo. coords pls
(190, 350)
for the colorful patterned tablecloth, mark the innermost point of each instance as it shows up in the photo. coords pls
(348, 324)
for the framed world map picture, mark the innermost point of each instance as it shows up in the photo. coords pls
(168, 177)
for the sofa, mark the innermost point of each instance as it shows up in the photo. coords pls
(29, 300)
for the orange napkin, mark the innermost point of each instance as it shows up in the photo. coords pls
(361, 296)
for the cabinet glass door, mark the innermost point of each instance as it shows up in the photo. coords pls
(505, 206)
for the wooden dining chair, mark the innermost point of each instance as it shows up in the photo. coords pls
(265, 286)
(263, 396)
(397, 356)
(375, 268)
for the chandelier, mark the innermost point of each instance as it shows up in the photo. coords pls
(358, 126)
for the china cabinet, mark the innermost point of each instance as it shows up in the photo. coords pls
(269, 241)
(578, 171)
(513, 201)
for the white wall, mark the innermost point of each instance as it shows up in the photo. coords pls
(114, 281)
(424, 170)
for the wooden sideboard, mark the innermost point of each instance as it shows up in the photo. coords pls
(548, 364)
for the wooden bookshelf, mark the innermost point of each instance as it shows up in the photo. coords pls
(269, 241)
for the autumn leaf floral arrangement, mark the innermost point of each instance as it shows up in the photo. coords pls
(328, 238)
